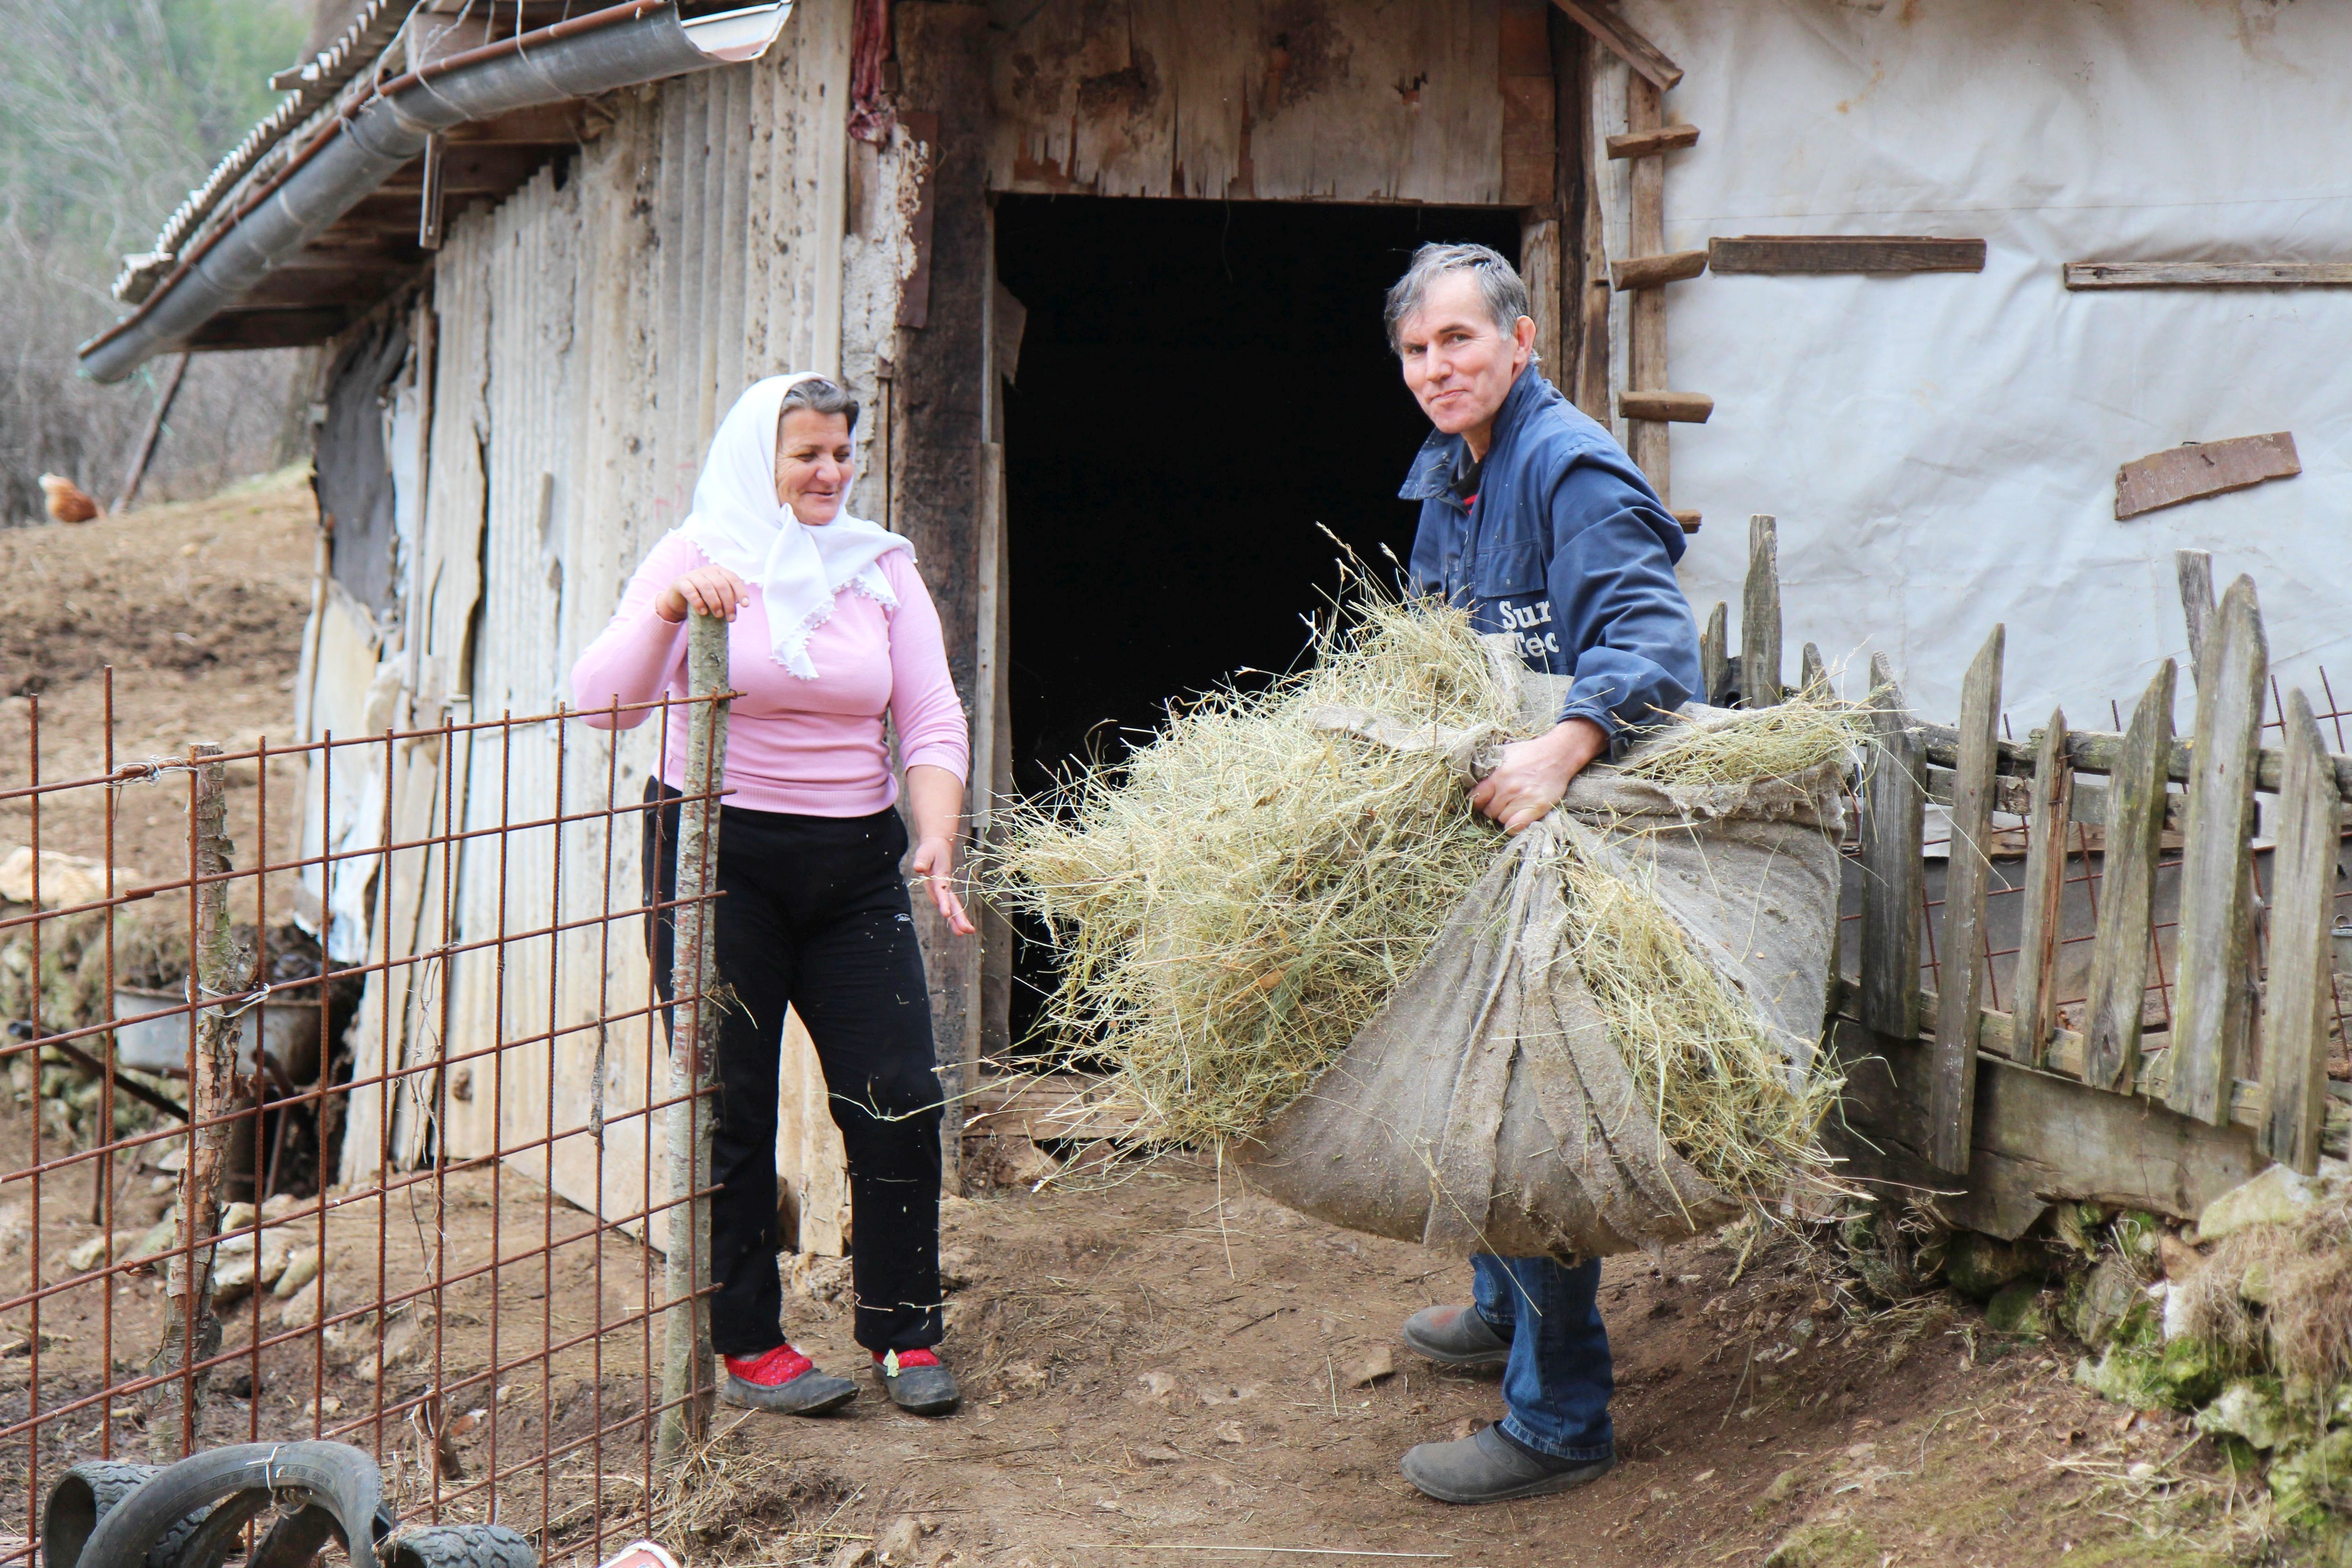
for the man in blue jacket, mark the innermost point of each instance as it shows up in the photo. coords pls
(1536, 522)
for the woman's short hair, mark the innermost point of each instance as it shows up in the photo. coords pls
(818, 396)
(1500, 288)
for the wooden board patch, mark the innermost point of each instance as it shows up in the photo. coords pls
(2209, 274)
(1844, 253)
(2203, 469)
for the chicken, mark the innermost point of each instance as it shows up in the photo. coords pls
(68, 502)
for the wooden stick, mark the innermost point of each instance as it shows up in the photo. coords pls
(1894, 808)
(1654, 271)
(1664, 407)
(2196, 571)
(2034, 1004)
(2209, 1009)
(694, 1040)
(1960, 989)
(144, 452)
(2207, 274)
(192, 1334)
(1759, 616)
(1714, 655)
(2127, 892)
(1650, 143)
(2302, 947)
(1618, 36)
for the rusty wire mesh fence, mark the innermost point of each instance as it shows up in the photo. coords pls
(347, 1125)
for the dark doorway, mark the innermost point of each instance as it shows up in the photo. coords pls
(1200, 385)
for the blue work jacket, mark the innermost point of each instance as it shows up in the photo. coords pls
(1567, 548)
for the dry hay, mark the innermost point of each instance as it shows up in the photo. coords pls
(2303, 1274)
(1234, 902)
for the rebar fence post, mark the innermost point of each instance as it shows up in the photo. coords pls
(694, 980)
(192, 1332)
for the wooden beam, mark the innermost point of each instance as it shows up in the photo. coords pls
(1653, 272)
(1759, 616)
(2209, 274)
(2302, 947)
(1844, 253)
(1618, 36)
(2034, 1001)
(1681, 407)
(1894, 808)
(271, 329)
(2210, 1008)
(1689, 521)
(1952, 1086)
(1647, 440)
(2200, 468)
(1650, 143)
(2128, 893)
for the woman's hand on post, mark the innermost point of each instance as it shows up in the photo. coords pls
(713, 590)
(933, 863)
(1534, 774)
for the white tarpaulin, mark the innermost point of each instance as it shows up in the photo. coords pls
(1941, 449)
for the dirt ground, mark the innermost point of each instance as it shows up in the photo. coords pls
(1157, 1372)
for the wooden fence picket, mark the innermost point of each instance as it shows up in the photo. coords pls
(1960, 989)
(2034, 998)
(1812, 675)
(2302, 948)
(1714, 655)
(2210, 1005)
(1895, 801)
(2134, 837)
(2195, 568)
(1759, 616)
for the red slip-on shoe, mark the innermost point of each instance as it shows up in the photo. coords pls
(784, 1381)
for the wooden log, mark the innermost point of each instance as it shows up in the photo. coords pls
(1951, 1113)
(1844, 253)
(1666, 407)
(2207, 274)
(693, 1051)
(2201, 468)
(1654, 271)
(1650, 143)
(1714, 655)
(2211, 1006)
(1759, 616)
(2035, 999)
(1812, 674)
(2195, 569)
(2134, 836)
(1894, 808)
(192, 1330)
(1620, 39)
(2302, 947)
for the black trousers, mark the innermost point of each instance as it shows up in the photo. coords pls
(815, 914)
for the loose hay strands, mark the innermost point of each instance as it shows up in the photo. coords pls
(1811, 728)
(1238, 899)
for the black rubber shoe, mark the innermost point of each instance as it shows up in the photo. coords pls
(918, 1390)
(1490, 1468)
(812, 1393)
(1456, 1336)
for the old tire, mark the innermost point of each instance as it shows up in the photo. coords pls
(81, 1497)
(459, 1546)
(156, 1513)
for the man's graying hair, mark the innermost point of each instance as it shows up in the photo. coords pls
(1500, 288)
(819, 395)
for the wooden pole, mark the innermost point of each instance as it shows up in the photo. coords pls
(1952, 1089)
(1893, 809)
(2034, 1005)
(2127, 892)
(694, 1023)
(192, 1334)
(144, 452)
(1759, 616)
(2211, 1009)
(2302, 948)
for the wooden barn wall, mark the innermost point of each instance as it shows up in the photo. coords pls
(1358, 101)
(587, 335)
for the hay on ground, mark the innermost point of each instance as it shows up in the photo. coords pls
(1231, 904)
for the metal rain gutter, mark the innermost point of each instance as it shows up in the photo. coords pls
(622, 46)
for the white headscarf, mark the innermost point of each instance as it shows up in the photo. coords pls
(737, 522)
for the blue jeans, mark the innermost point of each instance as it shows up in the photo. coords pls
(1557, 1384)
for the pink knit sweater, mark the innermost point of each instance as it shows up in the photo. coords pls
(812, 747)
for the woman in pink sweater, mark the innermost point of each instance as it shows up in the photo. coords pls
(830, 629)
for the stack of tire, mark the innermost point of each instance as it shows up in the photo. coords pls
(104, 1514)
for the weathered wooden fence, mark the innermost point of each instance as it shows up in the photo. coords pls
(1986, 1061)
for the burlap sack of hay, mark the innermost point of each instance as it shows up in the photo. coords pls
(1486, 1109)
